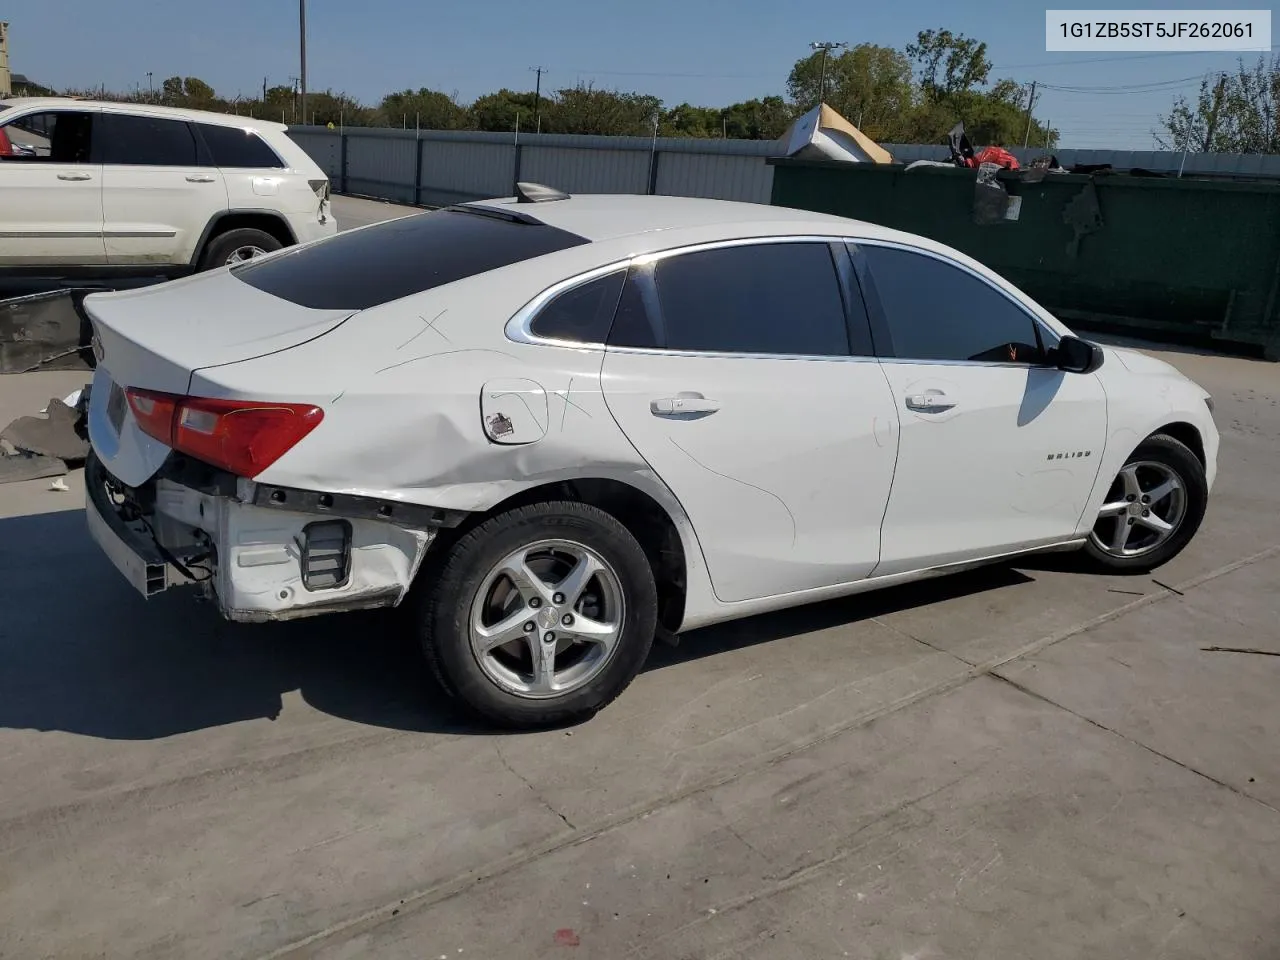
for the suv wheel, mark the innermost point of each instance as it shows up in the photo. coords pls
(540, 616)
(236, 246)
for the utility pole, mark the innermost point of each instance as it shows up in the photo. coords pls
(537, 97)
(826, 47)
(1031, 102)
(302, 43)
(151, 87)
(1213, 114)
(264, 91)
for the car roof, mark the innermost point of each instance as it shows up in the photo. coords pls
(145, 109)
(602, 217)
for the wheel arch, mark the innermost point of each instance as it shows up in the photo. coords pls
(267, 221)
(1187, 434)
(651, 523)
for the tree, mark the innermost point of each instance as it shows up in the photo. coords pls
(870, 85)
(760, 119)
(1231, 114)
(498, 111)
(432, 109)
(949, 63)
(584, 109)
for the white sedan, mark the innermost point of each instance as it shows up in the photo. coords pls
(557, 427)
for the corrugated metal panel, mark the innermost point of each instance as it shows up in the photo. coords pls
(323, 147)
(456, 171)
(718, 177)
(466, 165)
(586, 170)
(381, 167)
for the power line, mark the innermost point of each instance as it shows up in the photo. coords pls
(1132, 56)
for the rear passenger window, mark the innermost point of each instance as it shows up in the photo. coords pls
(936, 311)
(582, 314)
(770, 298)
(147, 141)
(234, 147)
(60, 136)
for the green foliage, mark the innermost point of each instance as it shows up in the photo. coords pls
(949, 63)
(499, 111)
(432, 109)
(1231, 114)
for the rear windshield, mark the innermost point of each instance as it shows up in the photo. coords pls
(365, 268)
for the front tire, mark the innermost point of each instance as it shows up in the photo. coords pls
(1152, 510)
(540, 616)
(238, 246)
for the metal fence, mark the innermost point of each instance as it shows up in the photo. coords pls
(437, 167)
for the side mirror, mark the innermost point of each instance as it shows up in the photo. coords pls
(1074, 355)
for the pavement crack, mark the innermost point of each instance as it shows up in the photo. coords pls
(920, 640)
(1128, 739)
(502, 758)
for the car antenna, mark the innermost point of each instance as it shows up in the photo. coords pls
(538, 193)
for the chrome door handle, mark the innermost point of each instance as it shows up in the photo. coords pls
(929, 402)
(74, 176)
(199, 178)
(676, 406)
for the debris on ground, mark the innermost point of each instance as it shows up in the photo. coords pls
(32, 448)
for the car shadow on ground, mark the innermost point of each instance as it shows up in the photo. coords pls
(80, 653)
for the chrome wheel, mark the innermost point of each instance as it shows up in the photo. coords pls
(546, 619)
(247, 252)
(1144, 507)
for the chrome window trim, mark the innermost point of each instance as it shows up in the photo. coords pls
(1038, 322)
(519, 327)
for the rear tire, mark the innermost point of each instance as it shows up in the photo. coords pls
(1152, 510)
(236, 246)
(523, 654)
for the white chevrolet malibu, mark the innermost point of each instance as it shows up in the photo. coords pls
(556, 427)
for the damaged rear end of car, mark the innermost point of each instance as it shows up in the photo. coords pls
(207, 390)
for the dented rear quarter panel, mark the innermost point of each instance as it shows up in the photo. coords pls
(401, 386)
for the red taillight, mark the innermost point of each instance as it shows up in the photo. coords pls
(242, 436)
(6, 148)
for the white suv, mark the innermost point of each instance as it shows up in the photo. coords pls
(106, 189)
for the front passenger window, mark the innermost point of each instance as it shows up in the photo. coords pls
(937, 311)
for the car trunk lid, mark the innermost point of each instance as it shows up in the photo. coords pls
(155, 338)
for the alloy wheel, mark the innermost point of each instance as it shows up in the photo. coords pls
(547, 619)
(1144, 508)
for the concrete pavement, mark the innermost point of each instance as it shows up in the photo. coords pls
(1011, 762)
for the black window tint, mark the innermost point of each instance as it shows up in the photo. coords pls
(233, 147)
(936, 311)
(582, 314)
(378, 264)
(59, 136)
(781, 298)
(147, 141)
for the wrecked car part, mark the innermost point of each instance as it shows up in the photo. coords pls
(273, 564)
(54, 435)
(44, 331)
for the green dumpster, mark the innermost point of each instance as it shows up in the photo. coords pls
(1182, 259)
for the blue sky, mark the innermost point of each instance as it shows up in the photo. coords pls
(702, 51)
